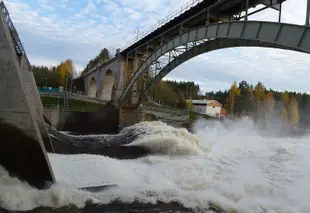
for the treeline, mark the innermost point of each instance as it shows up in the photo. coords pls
(101, 58)
(264, 104)
(54, 76)
(173, 93)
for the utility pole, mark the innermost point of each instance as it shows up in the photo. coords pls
(246, 9)
(307, 12)
(137, 32)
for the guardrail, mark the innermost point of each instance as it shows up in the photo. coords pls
(17, 43)
(72, 95)
(164, 21)
(166, 110)
(70, 108)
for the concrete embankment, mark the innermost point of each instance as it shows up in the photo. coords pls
(104, 121)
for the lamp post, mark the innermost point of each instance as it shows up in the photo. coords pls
(307, 12)
(46, 84)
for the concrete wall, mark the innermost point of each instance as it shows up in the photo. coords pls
(104, 121)
(214, 111)
(56, 117)
(200, 108)
(32, 93)
(18, 107)
(129, 116)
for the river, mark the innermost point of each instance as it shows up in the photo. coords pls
(231, 165)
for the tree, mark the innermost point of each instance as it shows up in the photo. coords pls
(269, 106)
(65, 72)
(284, 101)
(45, 76)
(101, 58)
(230, 101)
(244, 103)
(258, 98)
(293, 112)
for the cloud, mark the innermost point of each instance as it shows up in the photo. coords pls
(52, 31)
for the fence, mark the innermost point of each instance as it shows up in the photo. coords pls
(165, 109)
(70, 108)
(165, 20)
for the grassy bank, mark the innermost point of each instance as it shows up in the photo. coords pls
(74, 104)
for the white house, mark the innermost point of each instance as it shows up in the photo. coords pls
(209, 107)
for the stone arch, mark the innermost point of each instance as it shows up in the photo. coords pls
(92, 88)
(278, 35)
(107, 85)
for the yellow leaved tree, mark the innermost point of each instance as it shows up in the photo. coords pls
(284, 100)
(293, 112)
(64, 72)
(230, 100)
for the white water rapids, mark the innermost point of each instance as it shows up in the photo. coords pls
(233, 167)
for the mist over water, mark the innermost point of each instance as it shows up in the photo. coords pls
(232, 164)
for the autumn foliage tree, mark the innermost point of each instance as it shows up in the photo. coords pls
(284, 102)
(269, 108)
(293, 112)
(230, 101)
(259, 98)
(65, 72)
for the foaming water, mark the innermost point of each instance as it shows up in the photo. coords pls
(18, 195)
(229, 164)
(161, 138)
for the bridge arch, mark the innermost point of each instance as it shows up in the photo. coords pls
(92, 88)
(107, 85)
(206, 47)
(268, 34)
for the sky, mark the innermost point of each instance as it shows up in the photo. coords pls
(54, 30)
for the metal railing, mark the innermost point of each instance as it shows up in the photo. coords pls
(164, 21)
(78, 96)
(70, 108)
(165, 109)
(17, 43)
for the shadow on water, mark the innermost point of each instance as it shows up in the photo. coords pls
(22, 156)
(107, 145)
(118, 207)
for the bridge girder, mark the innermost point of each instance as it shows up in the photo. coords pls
(202, 48)
(279, 35)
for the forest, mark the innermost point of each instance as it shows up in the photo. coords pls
(55, 76)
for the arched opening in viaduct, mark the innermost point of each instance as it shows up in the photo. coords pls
(107, 85)
(92, 88)
(216, 36)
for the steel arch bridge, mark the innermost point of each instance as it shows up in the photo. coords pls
(216, 36)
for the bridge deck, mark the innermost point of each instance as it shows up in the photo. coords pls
(220, 8)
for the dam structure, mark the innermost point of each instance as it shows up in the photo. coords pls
(21, 108)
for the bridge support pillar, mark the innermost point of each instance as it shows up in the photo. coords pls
(22, 150)
(130, 116)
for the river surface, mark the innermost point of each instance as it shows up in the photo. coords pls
(230, 165)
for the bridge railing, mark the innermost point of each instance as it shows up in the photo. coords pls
(165, 109)
(80, 96)
(70, 108)
(17, 43)
(163, 21)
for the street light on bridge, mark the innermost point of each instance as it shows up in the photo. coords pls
(307, 12)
